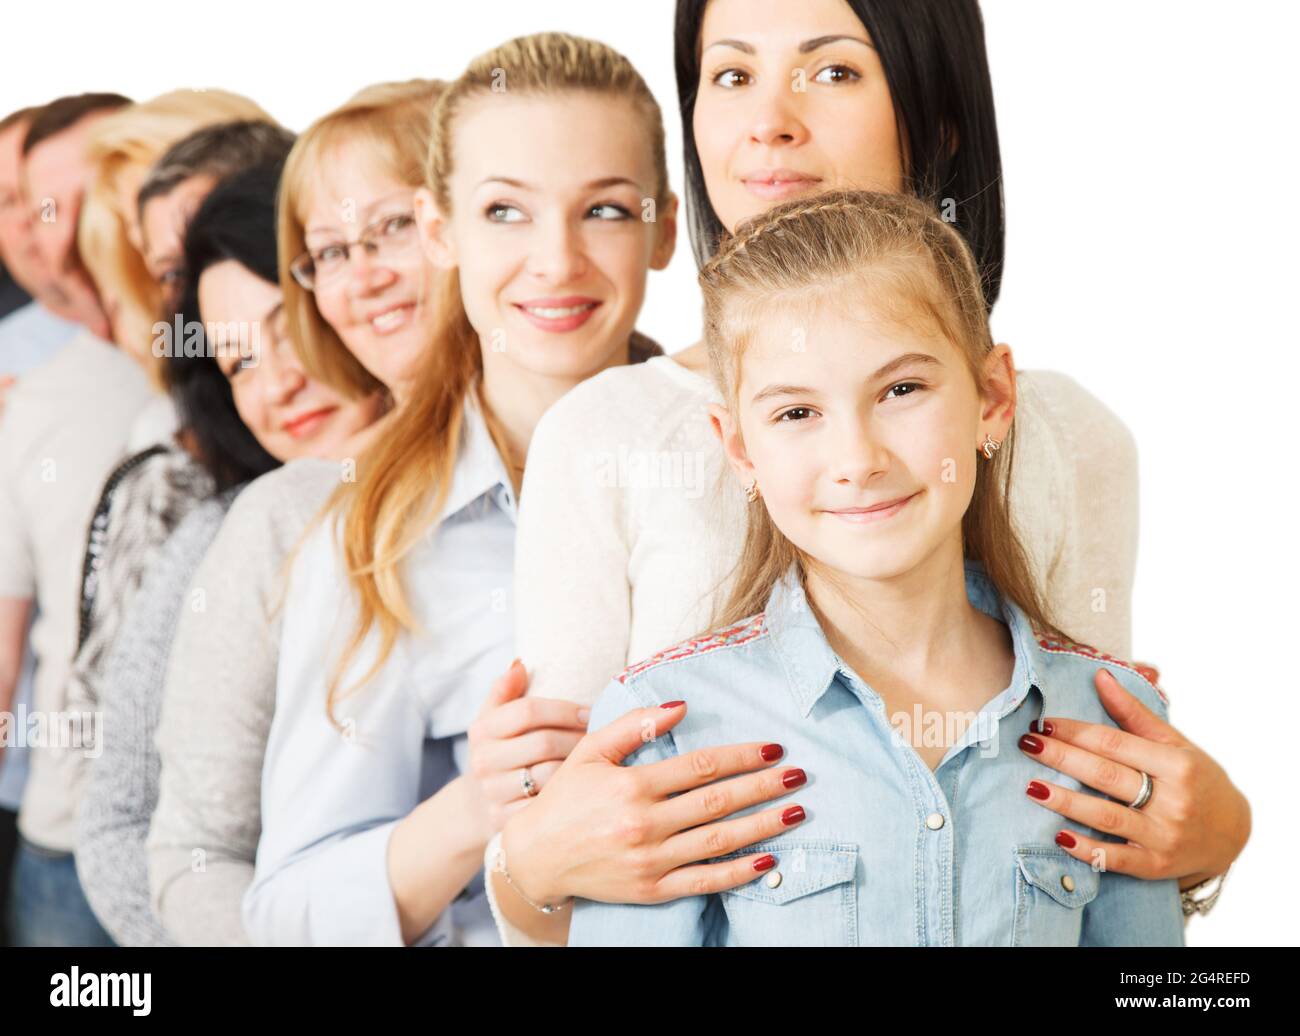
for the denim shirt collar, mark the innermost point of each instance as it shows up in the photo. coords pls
(811, 664)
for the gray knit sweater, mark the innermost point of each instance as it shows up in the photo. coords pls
(121, 785)
(217, 708)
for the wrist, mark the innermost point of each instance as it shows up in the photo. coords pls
(1192, 880)
(464, 841)
(528, 876)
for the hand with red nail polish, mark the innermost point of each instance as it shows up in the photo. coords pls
(1195, 822)
(643, 834)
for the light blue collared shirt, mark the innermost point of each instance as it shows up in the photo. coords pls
(892, 852)
(29, 336)
(330, 800)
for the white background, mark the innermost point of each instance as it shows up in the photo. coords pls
(1150, 164)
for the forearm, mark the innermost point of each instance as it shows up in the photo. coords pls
(111, 866)
(14, 613)
(198, 898)
(432, 855)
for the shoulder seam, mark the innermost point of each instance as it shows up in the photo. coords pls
(732, 636)
(1059, 646)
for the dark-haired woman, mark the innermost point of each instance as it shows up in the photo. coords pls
(617, 563)
(248, 408)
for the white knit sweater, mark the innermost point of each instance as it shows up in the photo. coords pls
(629, 522)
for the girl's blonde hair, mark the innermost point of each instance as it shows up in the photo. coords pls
(405, 476)
(827, 247)
(388, 123)
(120, 149)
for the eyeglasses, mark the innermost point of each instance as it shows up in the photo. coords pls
(382, 239)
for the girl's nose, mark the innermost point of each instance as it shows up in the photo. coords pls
(858, 457)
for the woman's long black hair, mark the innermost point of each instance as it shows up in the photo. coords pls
(236, 221)
(937, 69)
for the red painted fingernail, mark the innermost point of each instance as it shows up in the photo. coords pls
(1043, 727)
(792, 815)
(1064, 838)
(1149, 671)
(771, 753)
(765, 863)
(671, 704)
(1038, 790)
(794, 778)
(1030, 744)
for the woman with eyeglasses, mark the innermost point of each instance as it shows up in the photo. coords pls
(357, 305)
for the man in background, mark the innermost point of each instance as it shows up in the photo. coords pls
(64, 427)
(30, 334)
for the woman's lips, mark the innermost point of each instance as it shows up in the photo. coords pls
(878, 513)
(779, 184)
(558, 315)
(393, 319)
(309, 423)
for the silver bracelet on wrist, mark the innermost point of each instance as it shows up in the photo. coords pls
(1192, 905)
(499, 865)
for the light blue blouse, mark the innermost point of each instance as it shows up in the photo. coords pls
(891, 852)
(330, 800)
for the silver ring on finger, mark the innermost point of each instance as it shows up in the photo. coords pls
(530, 785)
(1144, 793)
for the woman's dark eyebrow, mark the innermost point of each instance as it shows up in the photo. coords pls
(740, 45)
(806, 47)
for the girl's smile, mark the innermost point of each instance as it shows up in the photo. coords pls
(876, 513)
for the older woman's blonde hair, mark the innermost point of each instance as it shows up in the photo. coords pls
(388, 123)
(120, 150)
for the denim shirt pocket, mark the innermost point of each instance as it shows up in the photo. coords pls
(1052, 888)
(809, 898)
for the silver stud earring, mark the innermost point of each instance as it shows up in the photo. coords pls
(990, 446)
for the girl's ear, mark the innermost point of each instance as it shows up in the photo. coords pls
(666, 235)
(998, 397)
(435, 240)
(728, 432)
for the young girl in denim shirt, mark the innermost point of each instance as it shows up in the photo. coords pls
(884, 618)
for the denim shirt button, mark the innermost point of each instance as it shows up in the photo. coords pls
(934, 821)
(774, 879)
(1067, 883)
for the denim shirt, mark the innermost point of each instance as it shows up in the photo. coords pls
(891, 852)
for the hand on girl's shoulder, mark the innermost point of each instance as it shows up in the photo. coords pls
(674, 674)
(1078, 664)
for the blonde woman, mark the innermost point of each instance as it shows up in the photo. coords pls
(344, 248)
(121, 150)
(550, 201)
